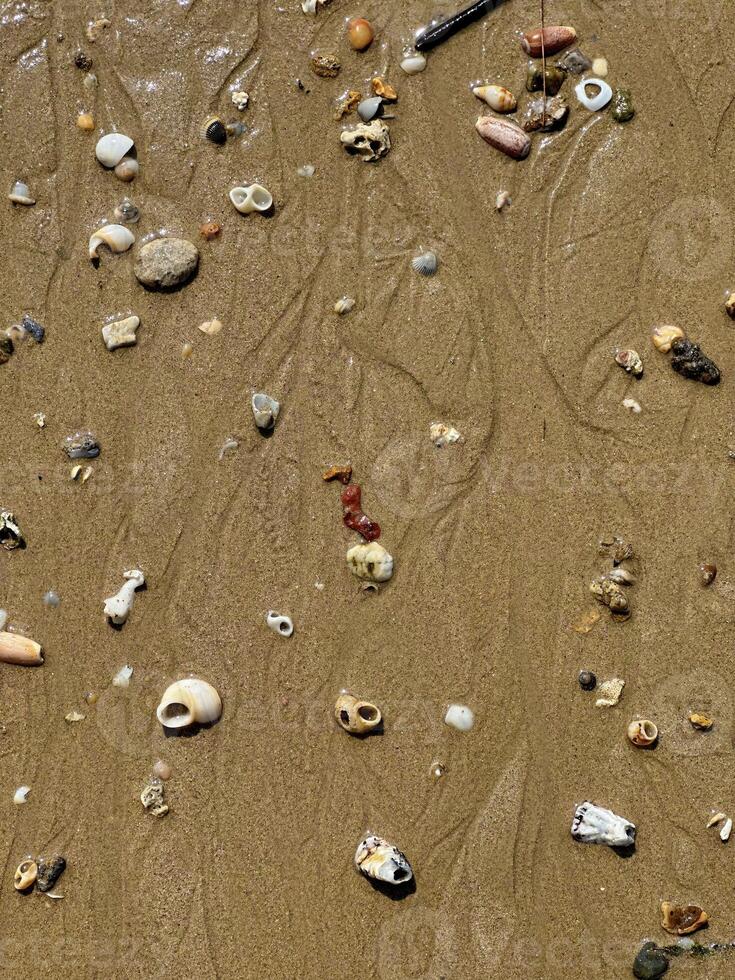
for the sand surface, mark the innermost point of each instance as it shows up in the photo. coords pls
(612, 228)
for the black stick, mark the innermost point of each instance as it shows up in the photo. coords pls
(439, 32)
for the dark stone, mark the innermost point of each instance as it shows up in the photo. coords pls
(6, 349)
(82, 60)
(49, 872)
(587, 680)
(688, 360)
(535, 78)
(651, 962)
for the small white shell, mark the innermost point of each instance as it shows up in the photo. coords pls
(726, 831)
(252, 197)
(187, 702)
(117, 607)
(279, 624)
(343, 305)
(442, 434)
(21, 794)
(112, 148)
(118, 238)
(306, 170)
(127, 170)
(425, 263)
(265, 411)
(370, 561)
(369, 108)
(596, 102)
(632, 405)
(459, 716)
(378, 859)
(20, 194)
(413, 62)
(122, 677)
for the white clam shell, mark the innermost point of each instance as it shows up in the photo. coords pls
(596, 102)
(112, 148)
(425, 263)
(188, 702)
(252, 197)
(265, 410)
(459, 716)
(370, 561)
(21, 794)
(279, 624)
(378, 859)
(594, 824)
(118, 238)
(413, 62)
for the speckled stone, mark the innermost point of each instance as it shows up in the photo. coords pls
(166, 263)
(650, 962)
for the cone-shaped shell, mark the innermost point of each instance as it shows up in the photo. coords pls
(378, 859)
(112, 148)
(17, 649)
(555, 38)
(189, 702)
(118, 238)
(497, 97)
(505, 136)
(356, 716)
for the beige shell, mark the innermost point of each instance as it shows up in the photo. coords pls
(252, 197)
(497, 97)
(111, 148)
(118, 238)
(642, 733)
(188, 702)
(25, 875)
(505, 136)
(370, 561)
(356, 716)
(680, 920)
(127, 170)
(120, 333)
(17, 649)
(663, 336)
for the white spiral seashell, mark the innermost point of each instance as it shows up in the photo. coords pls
(188, 702)
(282, 625)
(425, 264)
(112, 148)
(252, 197)
(118, 238)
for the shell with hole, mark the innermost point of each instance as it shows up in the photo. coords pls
(190, 701)
(378, 859)
(594, 824)
(356, 716)
(643, 733)
(17, 649)
(25, 875)
(111, 148)
(251, 197)
(117, 238)
(278, 623)
(370, 561)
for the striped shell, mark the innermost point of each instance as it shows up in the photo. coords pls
(497, 97)
(215, 131)
(425, 263)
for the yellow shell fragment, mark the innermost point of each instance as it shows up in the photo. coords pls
(702, 722)
(25, 875)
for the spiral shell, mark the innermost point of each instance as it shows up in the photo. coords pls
(215, 131)
(251, 197)
(118, 238)
(188, 702)
(642, 733)
(356, 716)
(497, 97)
(111, 148)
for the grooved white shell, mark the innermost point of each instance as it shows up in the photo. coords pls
(252, 197)
(187, 702)
(425, 263)
(112, 148)
(118, 238)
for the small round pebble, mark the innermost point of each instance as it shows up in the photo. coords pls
(587, 680)
(166, 263)
(650, 962)
(707, 573)
(162, 769)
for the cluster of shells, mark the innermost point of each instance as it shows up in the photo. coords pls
(611, 587)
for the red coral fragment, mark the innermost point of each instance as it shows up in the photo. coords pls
(354, 517)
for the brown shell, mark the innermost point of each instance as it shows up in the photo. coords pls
(555, 38)
(680, 920)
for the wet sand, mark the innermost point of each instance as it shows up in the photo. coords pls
(612, 228)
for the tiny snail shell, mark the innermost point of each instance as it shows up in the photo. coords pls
(425, 263)
(25, 875)
(356, 716)
(20, 194)
(118, 238)
(187, 702)
(252, 197)
(642, 733)
(111, 148)
(496, 96)
(413, 62)
(127, 170)
(215, 131)
(663, 336)
(127, 211)
(279, 624)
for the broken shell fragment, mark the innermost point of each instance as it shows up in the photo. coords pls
(20, 194)
(545, 115)
(118, 238)
(502, 200)
(11, 536)
(188, 702)
(215, 131)
(341, 473)
(505, 136)
(72, 717)
(610, 692)
(701, 722)
(122, 677)
(21, 795)
(730, 305)
(459, 716)
(442, 434)
(111, 149)
(630, 361)
(383, 89)
(378, 859)
(354, 516)
(209, 230)
(347, 103)
(81, 445)
(425, 263)
(593, 102)
(726, 831)
(127, 170)
(594, 824)
(18, 649)
(610, 594)
(49, 872)
(680, 920)
(717, 818)
(152, 798)
(356, 716)
(210, 327)
(117, 607)
(621, 575)
(343, 305)
(370, 561)
(25, 875)
(642, 734)
(252, 197)
(496, 96)
(278, 623)
(265, 411)
(369, 141)
(120, 333)
(689, 361)
(548, 41)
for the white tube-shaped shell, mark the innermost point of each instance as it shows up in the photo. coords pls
(118, 238)
(117, 607)
(190, 701)
(252, 197)
(378, 859)
(112, 148)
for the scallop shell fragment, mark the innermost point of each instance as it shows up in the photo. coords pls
(378, 859)
(594, 824)
(251, 197)
(20, 194)
(111, 149)
(425, 263)
(215, 131)
(497, 97)
(370, 561)
(118, 238)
